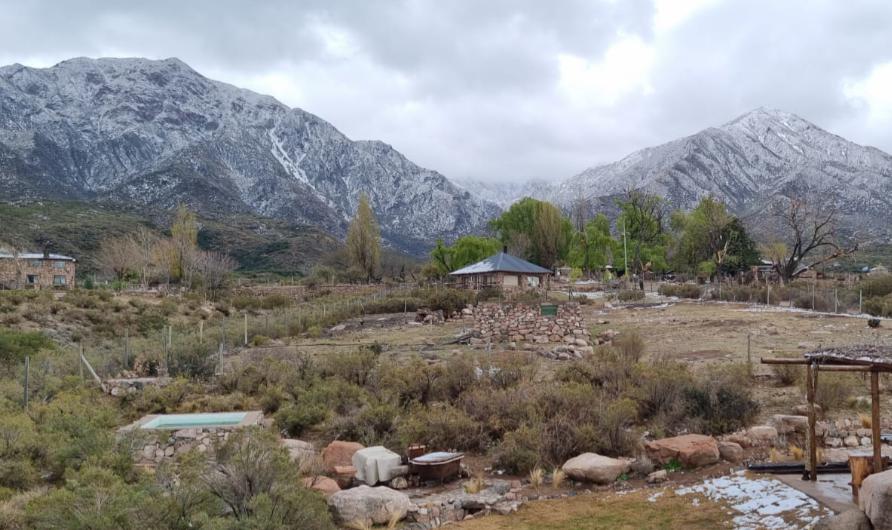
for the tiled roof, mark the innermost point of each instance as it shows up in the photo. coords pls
(501, 262)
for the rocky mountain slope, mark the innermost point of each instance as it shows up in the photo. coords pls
(747, 162)
(156, 133)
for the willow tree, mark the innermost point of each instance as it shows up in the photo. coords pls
(183, 242)
(364, 240)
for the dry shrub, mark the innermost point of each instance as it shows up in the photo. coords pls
(537, 478)
(834, 389)
(442, 427)
(518, 452)
(475, 485)
(630, 346)
(681, 290)
(796, 452)
(558, 476)
(787, 374)
(866, 420)
(630, 295)
(721, 401)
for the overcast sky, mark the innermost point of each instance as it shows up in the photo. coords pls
(501, 90)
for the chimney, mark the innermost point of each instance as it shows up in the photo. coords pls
(46, 253)
(505, 249)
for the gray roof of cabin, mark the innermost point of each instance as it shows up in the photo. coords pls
(35, 255)
(878, 355)
(501, 262)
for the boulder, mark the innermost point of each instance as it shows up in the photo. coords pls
(367, 505)
(339, 453)
(851, 441)
(731, 452)
(592, 467)
(322, 484)
(786, 423)
(299, 450)
(658, 476)
(802, 410)
(848, 520)
(875, 499)
(691, 450)
(344, 475)
(762, 435)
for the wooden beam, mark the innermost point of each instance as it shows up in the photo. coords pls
(843, 368)
(811, 373)
(875, 421)
(776, 360)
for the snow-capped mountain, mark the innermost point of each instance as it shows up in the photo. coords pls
(746, 162)
(156, 133)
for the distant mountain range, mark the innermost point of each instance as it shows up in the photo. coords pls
(156, 133)
(746, 162)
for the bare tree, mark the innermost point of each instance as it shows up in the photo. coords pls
(808, 236)
(118, 257)
(214, 269)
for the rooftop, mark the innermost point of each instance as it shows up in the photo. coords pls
(867, 355)
(501, 262)
(35, 255)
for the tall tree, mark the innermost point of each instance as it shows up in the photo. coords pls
(184, 239)
(593, 247)
(807, 235)
(364, 240)
(535, 230)
(641, 219)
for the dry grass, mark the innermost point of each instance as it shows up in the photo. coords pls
(558, 477)
(475, 485)
(631, 511)
(537, 478)
(796, 452)
(866, 420)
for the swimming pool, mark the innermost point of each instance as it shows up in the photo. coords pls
(187, 421)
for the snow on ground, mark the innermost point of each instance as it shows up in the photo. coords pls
(761, 502)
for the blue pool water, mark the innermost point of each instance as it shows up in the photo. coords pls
(186, 421)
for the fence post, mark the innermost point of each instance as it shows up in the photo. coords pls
(246, 328)
(27, 374)
(201, 331)
(768, 295)
(749, 350)
(80, 362)
(860, 301)
(835, 301)
(812, 297)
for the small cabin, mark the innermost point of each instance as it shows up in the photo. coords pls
(504, 271)
(32, 270)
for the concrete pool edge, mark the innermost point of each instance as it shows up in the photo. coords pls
(252, 417)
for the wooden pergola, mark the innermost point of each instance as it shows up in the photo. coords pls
(868, 359)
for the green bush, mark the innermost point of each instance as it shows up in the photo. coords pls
(877, 286)
(879, 306)
(518, 452)
(442, 427)
(296, 418)
(721, 401)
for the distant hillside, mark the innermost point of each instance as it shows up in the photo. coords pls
(257, 244)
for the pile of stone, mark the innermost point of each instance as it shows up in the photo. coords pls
(440, 509)
(132, 385)
(521, 323)
(427, 316)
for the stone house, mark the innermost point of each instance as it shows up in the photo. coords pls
(31, 270)
(502, 270)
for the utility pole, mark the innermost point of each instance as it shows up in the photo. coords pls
(625, 254)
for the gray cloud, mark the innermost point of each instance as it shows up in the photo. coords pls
(504, 89)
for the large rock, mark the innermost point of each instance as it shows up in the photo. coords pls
(875, 499)
(322, 484)
(592, 467)
(691, 450)
(368, 505)
(339, 453)
(787, 423)
(848, 520)
(762, 435)
(731, 452)
(299, 450)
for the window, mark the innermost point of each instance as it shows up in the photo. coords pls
(31, 279)
(58, 264)
(58, 279)
(35, 263)
(532, 281)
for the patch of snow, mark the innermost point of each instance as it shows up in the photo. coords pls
(760, 502)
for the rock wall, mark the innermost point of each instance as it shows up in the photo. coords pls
(166, 444)
(525, 323)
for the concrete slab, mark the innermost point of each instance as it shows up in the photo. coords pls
(831, 490)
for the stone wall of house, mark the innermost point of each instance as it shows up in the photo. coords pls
(521, 323)
(14, 273)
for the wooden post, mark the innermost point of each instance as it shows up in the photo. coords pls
(749, 352)
(835, 301)
(126, 359)
(875, 421)
(811, 374)
(246, 328)
(860, 301)
(27, 374)
(80, 363)
(768, 295)
(201, 331)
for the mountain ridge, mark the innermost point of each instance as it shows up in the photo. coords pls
(155, 133)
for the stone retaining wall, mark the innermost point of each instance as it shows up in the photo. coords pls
(159, 445)
(525, 323)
